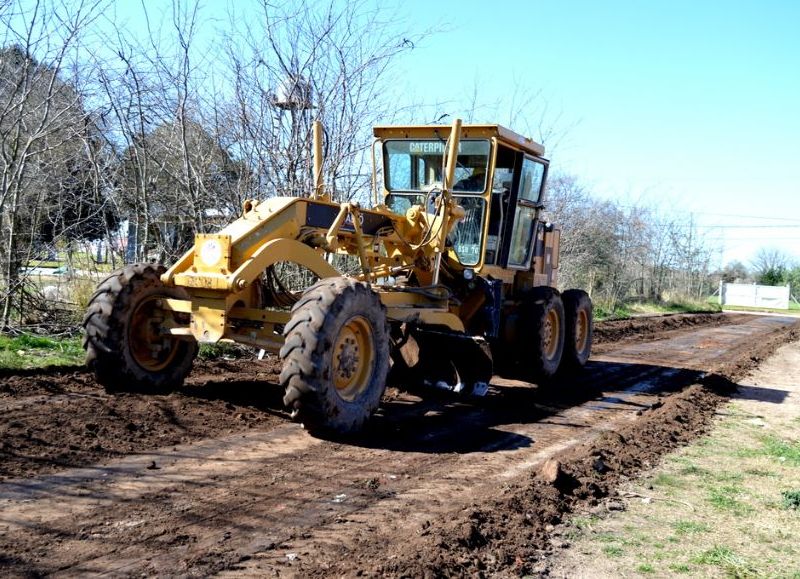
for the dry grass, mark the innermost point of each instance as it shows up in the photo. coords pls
(727, 506)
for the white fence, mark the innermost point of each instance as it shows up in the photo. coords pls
(759, 296)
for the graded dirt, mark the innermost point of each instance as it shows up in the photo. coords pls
(215, 479)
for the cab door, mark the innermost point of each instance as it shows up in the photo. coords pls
(526, 201)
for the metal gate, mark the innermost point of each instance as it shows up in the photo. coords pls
(754, 295)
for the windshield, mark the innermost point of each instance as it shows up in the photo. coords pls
(465, 238)
(416, 165)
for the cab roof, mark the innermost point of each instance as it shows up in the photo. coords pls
(501, 133)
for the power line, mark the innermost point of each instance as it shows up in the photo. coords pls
(742, 226)
(754, 238)
(745, 216)
(702, 226)
(738, 215)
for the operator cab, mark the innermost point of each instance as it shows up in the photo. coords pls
(499, 182)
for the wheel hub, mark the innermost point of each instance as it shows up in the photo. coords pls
(349, 358)
(581, 331)
(353, 357)
(149, 346)
(550, 334)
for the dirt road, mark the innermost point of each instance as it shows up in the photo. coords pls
(215, 479)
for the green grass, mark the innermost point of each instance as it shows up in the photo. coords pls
(674, 307)
(791, 499)
(584, 522)
(692, 469)
(79, 260)
(726, 498)
(690, 527)
(223, 350)
(626, 310)
(613, 551)
(793, 308)
(31, 351)
(725, 558)
(668, 480)
(727, 505)
(782, 449)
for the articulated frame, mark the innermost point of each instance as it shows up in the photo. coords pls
(220, 274)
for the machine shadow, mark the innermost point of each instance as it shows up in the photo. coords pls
(441, 422)
(264, 396)
(428, 420)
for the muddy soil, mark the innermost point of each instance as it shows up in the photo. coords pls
(61, 418)
(513, 534)
(221, 482)
(654, 327)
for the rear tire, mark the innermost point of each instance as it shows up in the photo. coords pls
(578, 329)
(336, 356)
(541, 350)
(123, 344)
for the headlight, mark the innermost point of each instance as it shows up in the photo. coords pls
(211, 252)
(469, 274)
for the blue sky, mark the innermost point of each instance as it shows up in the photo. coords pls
(687, 106)
(692, 107)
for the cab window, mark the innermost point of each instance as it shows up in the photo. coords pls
(465, 237)
(528, 196)
(417, 164)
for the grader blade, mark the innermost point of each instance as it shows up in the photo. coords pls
(456, 362)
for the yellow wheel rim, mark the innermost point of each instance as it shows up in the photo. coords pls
(551, 331)
(353, 356)
(581, 330)
(149, 347)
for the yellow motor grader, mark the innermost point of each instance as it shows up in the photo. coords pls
(456, 280)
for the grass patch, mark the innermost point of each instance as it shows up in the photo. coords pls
(667, 480)
(761, 472)
(782, 449)
(725, 558)
(582, 523)
(791, 499)
(726, 505)
(32, 351)
(693, 469)
(603, 311)
(690, 527)
(725, 498)
(674, 307)
(793, 308)
(645, 568)
(732, 477)
(229, 350)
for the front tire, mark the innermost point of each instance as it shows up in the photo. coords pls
(336, 356)
(124, 343)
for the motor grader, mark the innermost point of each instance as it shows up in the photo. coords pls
(455, 281)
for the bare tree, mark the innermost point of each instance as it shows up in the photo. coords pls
(303, 62)
(41, 115)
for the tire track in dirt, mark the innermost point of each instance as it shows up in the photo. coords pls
(245, 502)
